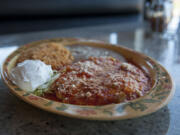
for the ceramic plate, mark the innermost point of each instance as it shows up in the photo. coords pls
(158, 96)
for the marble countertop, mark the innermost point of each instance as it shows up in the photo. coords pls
(19, 118)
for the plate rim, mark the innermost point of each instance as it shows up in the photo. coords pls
(86, 115)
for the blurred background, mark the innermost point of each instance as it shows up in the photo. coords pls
(37, 15)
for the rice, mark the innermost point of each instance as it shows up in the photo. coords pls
(53, 54)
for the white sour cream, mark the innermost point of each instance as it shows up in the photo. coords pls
(30, 74)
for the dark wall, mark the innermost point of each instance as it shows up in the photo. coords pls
(68, 7)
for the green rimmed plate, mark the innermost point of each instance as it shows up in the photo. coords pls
(159, 95)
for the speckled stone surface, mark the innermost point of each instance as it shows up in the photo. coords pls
(19, 118)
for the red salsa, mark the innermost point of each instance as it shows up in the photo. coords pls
(99, 81)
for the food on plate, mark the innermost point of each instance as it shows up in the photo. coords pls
(30, 74)
(99, 81)
(53, 54)
(93, 81)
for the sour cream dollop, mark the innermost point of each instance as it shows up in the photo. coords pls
(30, 74)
